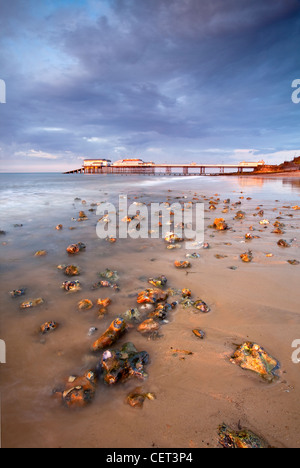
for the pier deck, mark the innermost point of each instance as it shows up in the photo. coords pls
(172, 170)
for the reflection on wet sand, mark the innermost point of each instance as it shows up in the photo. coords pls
(251, 181)
(293, 183)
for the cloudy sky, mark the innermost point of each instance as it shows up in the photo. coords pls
(164, 80)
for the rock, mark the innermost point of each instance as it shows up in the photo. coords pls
(33, 303)
(76, 248)
(92, 331)
(40, 253)
(182, 265)
(193, 255)
(152, 296)
(251, 356)
(148, 326)
(71, 286)
(121, 365)
(158, 282)
(48, 327)
(283, 243)
(243, 439)
(111, 335)
(105, 284)
(79, 391)
(172, 238)
(247, 257)
(186, 293)
(202, 306)
(220, 224)
(18, 293)
(72, 270)
(137, 397)
(240, 215)
(132, 315)
(293, 262)
(85, 304)
(109, 275)
(199, 333)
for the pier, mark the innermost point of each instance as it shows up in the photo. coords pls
(172, 170)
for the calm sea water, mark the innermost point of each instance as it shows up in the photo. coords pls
(26, 196)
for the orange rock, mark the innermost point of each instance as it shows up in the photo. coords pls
(220, 224)
(111, 335)
(148, 326)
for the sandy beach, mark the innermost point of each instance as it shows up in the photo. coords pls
(196, 391)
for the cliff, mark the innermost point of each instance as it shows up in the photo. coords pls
(287, 166)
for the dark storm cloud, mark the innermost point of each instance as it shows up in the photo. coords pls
(91, 77)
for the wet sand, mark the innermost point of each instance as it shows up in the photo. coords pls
(195, 393)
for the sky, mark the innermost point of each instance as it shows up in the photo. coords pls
(161, 80)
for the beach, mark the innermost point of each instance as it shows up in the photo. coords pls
(195, 391)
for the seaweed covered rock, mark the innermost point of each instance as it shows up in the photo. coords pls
(243, 439)
(251, 356)
(121, 365)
